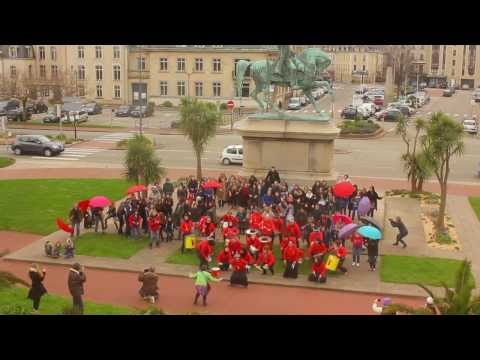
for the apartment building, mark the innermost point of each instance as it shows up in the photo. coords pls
(162, 73)
(16, 62)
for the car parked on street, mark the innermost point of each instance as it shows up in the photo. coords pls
(390, 115)
(123, 111)
(349, 113)
(470, 126)
(448, 93)
(92, 108)
(37, 107)
(294, 104)
(141, 110)
(68, 117)
(476, 95)
(18, 114)
(7, 105)
(232, 154)
(36, 144)
(51, 118)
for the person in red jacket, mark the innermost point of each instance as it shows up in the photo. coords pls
(315, 236)
(207, 227)
(234, 245)
(245, 255)
(291, 257)
(134, 222)
(205, 251)
(224, 259)
(229, 232)
(294, 230)
(239, 274)
(317, 249)
(265, 261)
(268, 226)
(186, 228)
(255, 220)
(230, 218)
(254, 245)
(341, 253)
(284, 244)
(319, 271)
(154, 228)
(278, 227)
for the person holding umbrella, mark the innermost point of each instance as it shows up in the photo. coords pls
(402, 231)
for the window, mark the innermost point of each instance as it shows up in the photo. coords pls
(99, 91)
(99, 72)
(116, 52)
(163, 64)
(43, 71)
(199, 64)
(198, 88)
(81, 90)
(141, 63)
(28, 52)
(181, 88)
(54, 71)
(216, 88)
(12, 51)
(116, 91)
(217, 65)
(232, 151)
(13, 71)
(363, 68)
(30, 71)
(354, 67)
(53, 53)
(180, 65)
(421, 57)
(41, 52)
(453, 62)
(45, 92)
(116, 72)
(163, 88)
(454, 52)
(98, 52)
(81, 72)
(81, 52)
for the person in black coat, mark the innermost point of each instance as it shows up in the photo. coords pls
(37, 290)
(402, 230)
(372, 251)
(373, 197)
(272, 176)
(76, 279)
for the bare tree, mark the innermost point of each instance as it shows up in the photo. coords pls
(400, 58)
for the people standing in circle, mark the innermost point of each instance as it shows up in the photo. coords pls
(37, 289)
(76, 279)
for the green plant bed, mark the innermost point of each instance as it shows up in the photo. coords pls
(443, 238)
(32, 205)
(109, 245)
(6, 161)
(424, 270)
(358, 127)
(16, 296)
(475, 203)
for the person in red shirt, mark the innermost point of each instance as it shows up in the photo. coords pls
(154, 228)
(255, 220)
(316, 250)
(265, 261)
(319, 271)
(268, 226)
(245, 255)
(284, 244)
(230, 218)
(186, 228)
(207, 227)
(291, 257)
(315, 236)
(294, 230)
(224, 259)
(278, 227)
(357, 245)
(205, 251)
(254, 245)
(234, 245)
(134, 222)
(341, 253)
(239, 274)
(230, 231)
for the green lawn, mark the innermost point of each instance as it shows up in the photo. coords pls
(475, 202)
(53, 304)
(6, 161)
(32, 205)
(424, 270)
(190, 258)
(109, 245)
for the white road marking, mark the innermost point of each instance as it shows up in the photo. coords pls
(54, 158)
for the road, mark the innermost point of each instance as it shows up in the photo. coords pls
(373, 158)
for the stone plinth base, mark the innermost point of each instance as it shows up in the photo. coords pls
(301, 150)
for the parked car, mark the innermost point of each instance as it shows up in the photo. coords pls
(123, 111)
(318, 93)
(232, 154)
(349, 112)
(92, 108)
(141, 110)
(470, 126)
(367, 109)
(68, 117)
(391, 115)
(361, 90)
(422, 85)
(447, 92)
(51, 118)
(37, 107)
(18, 114)
(7, 105)
(294, 104)
(379, 100)
(476, 95)
(36, 144)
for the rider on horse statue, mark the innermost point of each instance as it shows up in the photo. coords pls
(286, 64)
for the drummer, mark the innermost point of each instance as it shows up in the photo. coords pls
(319, 271)
(234, 245)
(224, 258)
(253, 243)
(317, 249)
(265, 261)
(239, 275)
(268, 227)
(230, 218)
(315, 236)
(294, 230)
(291, 258)
(341, 253)
(229, 231)
(285, 242)
(186, 228)
(205, 251)
(255, 220)
(245, 255)
(207, 227)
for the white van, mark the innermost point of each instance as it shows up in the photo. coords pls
(232, 154)
(366, 109)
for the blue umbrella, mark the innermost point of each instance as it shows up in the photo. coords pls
(370, 232)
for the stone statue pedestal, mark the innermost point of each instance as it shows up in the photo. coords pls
(301, 150)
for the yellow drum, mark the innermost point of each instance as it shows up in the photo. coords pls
(332, 263)
(190, 241)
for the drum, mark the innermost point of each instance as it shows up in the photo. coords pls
(332, 263)
(225, 224)
(190, 241)
(215, 271)
(251, 232)
(266, 241)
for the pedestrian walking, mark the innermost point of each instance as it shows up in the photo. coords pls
(402, 231)
(149, 289)
(75, 217)
(37, 290)
(372, 251)
(76, 279)
(373, 197)
(202, 284)
(357, 247)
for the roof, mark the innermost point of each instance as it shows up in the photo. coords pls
(221, 48)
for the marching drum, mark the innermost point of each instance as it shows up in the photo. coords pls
(266, 241)
(190, 241)
(251, 232)
(215, 271)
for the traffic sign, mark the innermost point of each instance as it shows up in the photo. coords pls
(230, 104)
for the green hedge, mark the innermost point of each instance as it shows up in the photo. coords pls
(358, 127)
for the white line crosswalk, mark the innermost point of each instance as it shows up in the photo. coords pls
(72, 154)
(114, 137)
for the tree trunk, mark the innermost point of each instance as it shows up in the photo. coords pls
(420, 185)
(443, 205)
(413, 183)
(199, 165)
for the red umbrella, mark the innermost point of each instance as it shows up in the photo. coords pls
(344, 218)
(136, 188)
(343, 189)
(83, 205)
(99, 202)
(212, 184)
(62, 226)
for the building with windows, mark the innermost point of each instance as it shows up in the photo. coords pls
(16, 63)
(162, 73)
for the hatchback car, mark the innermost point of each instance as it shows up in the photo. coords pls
(470, 126)
(232, 154)
(36, 144)
(141, 110)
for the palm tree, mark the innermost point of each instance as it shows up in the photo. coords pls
(198, 121)
(457, 301)
(141, 163)
(442, 141)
